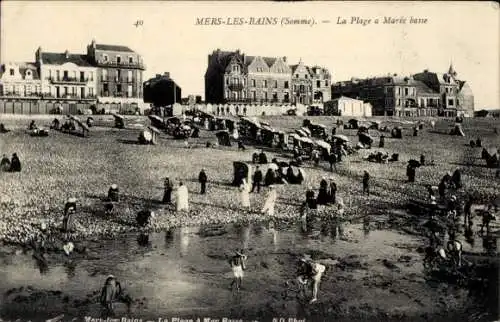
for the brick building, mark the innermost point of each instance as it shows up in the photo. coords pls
(119, 75)
(233, 77)
(422, 94)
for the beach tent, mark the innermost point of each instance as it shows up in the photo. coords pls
(119, 121)
(306, 130)
(223, 138)
(365, 139)
(241, 171)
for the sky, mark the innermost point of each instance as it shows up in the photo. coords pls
(464, 33)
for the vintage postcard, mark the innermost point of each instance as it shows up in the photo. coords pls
(223, 161)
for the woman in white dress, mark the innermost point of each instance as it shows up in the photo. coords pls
(245, 195)
(182, 198)
(270, 201)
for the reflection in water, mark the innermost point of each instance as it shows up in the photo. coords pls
(245, 235)
(143, 240)
(169, 238)
(366, 226)
(184, 238)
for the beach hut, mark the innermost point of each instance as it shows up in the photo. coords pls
(241, 170)
(325, 148)
(365, 139)
(119, 121)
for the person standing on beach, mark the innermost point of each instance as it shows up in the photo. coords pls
(167, 191)
(270, 202)
(366, 183)
(238, 265)
(257, 179)
(15, 163)
(202, 178)
(69, 212)
(245, 195)
(182, 202)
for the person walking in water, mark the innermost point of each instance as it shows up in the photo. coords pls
(237, 263)
(270, 202)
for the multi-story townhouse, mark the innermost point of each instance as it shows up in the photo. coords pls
(20, 80)
(119, 75)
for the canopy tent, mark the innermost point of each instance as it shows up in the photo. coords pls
(365, 139)
(341, 137)
(397, 132)
(306, 130)
(325, 147)
(457, 130)
(157, 121)
(241, 171)
(223, 137)
(353, 123)
(301, 133)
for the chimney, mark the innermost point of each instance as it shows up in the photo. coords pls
(93, 43)
(66, 54)
(166, 74)
(284, 59)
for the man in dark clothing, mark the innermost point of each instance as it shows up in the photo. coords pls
(257, 179)
(332, 159)
(366, 183)
(382, 141)
(202, 178)
(422, 159)
(332, 193)
(468, 213)
(167, 191)
(310, 199)
(410, 172)
(442, 188)
(270, 178)
(456, 179)
(15, 163)
(323, 192)
(113, 193)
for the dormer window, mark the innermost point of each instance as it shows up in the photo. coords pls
(130, 59)
(118, 59)
(11, 71)
(105, 57)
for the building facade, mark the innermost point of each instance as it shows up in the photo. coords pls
(119, 75)
(422, 94)
(66, 76)
(20, 80)
(163, 91)
(233, 77)
(346, 106)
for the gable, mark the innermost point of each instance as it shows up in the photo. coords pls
(280, 66)
(258, 65)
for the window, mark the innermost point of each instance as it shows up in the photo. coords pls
(243, 95)
(406, 91)
(129, 75)
(399, 102)
(305, 76)
(91, 91)
(286, 84)
(227, 81)
(105, 57)
(254, 95)
(130, 59)
(17, 89)
(450, 102)
(105, 88)
(318, 83)
(91, 76)
(11, 72)
(28, 72)
(38, 89)
(265, 96)
(253, 82)
(458, 103)
(129, 90)
(27, 90)
(275, 84)
(58, 74)
(74, 74)
(104, 74)
(326, 83)
(118, 59)
(118, 74)
(118, 88)
(264, 83)
(65, 75)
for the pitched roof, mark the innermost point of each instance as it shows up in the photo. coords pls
(31, 66)
(269, 60)
(424, 90)
(113, 48)
(60, 58)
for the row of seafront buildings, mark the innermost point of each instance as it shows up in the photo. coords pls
(235, 78)
(107, 78)
(110, 78)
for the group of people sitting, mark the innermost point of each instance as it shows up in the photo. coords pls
(12, 165)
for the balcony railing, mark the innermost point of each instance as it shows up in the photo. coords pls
(123, 64)
(236, 87)
(68, 80)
